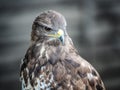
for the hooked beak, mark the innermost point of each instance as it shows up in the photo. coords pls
(59, 35)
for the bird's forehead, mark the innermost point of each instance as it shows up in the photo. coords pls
(52, 19)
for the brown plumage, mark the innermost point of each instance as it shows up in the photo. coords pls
(50, 64)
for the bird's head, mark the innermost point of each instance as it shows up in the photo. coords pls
(50, 24)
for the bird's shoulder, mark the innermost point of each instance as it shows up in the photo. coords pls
(83, 72)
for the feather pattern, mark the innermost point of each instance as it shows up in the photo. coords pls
(50, 65)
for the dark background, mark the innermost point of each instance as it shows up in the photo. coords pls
(94, 26)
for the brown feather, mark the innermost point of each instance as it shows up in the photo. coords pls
(50, 65)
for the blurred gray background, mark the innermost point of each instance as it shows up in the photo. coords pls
(94, 26)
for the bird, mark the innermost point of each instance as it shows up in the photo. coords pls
(52, 62)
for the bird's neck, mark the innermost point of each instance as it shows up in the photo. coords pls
(55, 43)
(51, 50)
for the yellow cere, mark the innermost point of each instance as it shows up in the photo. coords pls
(60, 32)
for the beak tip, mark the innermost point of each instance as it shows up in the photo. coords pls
(62, 39)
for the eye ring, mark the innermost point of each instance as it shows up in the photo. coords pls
(47, 29)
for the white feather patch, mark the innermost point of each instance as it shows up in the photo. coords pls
(42, 50)
(90, 76)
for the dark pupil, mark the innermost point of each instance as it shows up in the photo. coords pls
(47, 28)
(44, 27)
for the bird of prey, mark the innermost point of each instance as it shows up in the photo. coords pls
(52, 62)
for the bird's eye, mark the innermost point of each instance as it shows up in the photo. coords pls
(47, 29)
